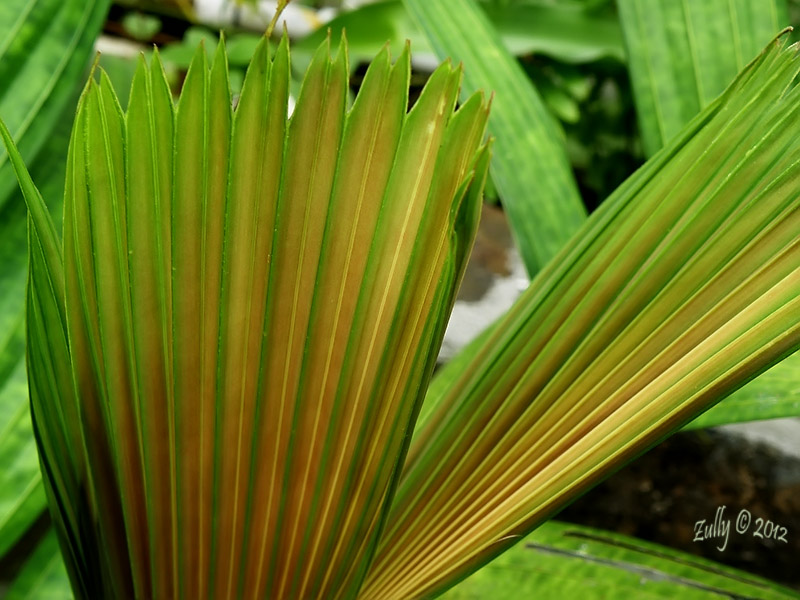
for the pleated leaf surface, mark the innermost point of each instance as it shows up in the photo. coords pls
(681, 55)
(682, 287)
(231, 353)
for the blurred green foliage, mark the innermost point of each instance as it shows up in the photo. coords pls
(141, 26)
(572, 50)
(595, 105)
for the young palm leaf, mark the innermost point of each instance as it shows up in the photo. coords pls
(682, 287)
(228, 359)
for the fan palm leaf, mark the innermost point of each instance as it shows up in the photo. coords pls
(682, 287)
(236, 290)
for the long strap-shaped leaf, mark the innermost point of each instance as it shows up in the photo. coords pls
(42, 576)
(44, 47)
(561, 560)
(680, 56)
(530, 166)
(253, 307)
(684, 285)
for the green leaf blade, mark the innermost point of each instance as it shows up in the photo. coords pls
(772, 395)
(88, 375)
(192, 253)
(43, 575)
(677, 69)
(313, 143)
(561, 558)
(257, 147)
(105, 172)
(371, 135)
(681, 285)
(531, 172)
(52, 423)
(44, 52)
(19, 508)
(148, 173)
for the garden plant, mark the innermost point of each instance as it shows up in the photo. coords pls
(230, 346)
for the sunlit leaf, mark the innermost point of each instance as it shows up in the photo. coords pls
(680, 288)
(771, 395)
(681, 55)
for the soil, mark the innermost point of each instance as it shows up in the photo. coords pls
(662, 495)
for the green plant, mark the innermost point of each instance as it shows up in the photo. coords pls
(553, 398)
(44, 49)
(379, 227)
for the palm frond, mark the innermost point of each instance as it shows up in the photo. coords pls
(228, 360)
(682, 287)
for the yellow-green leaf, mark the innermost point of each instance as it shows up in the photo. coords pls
(680, 288)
